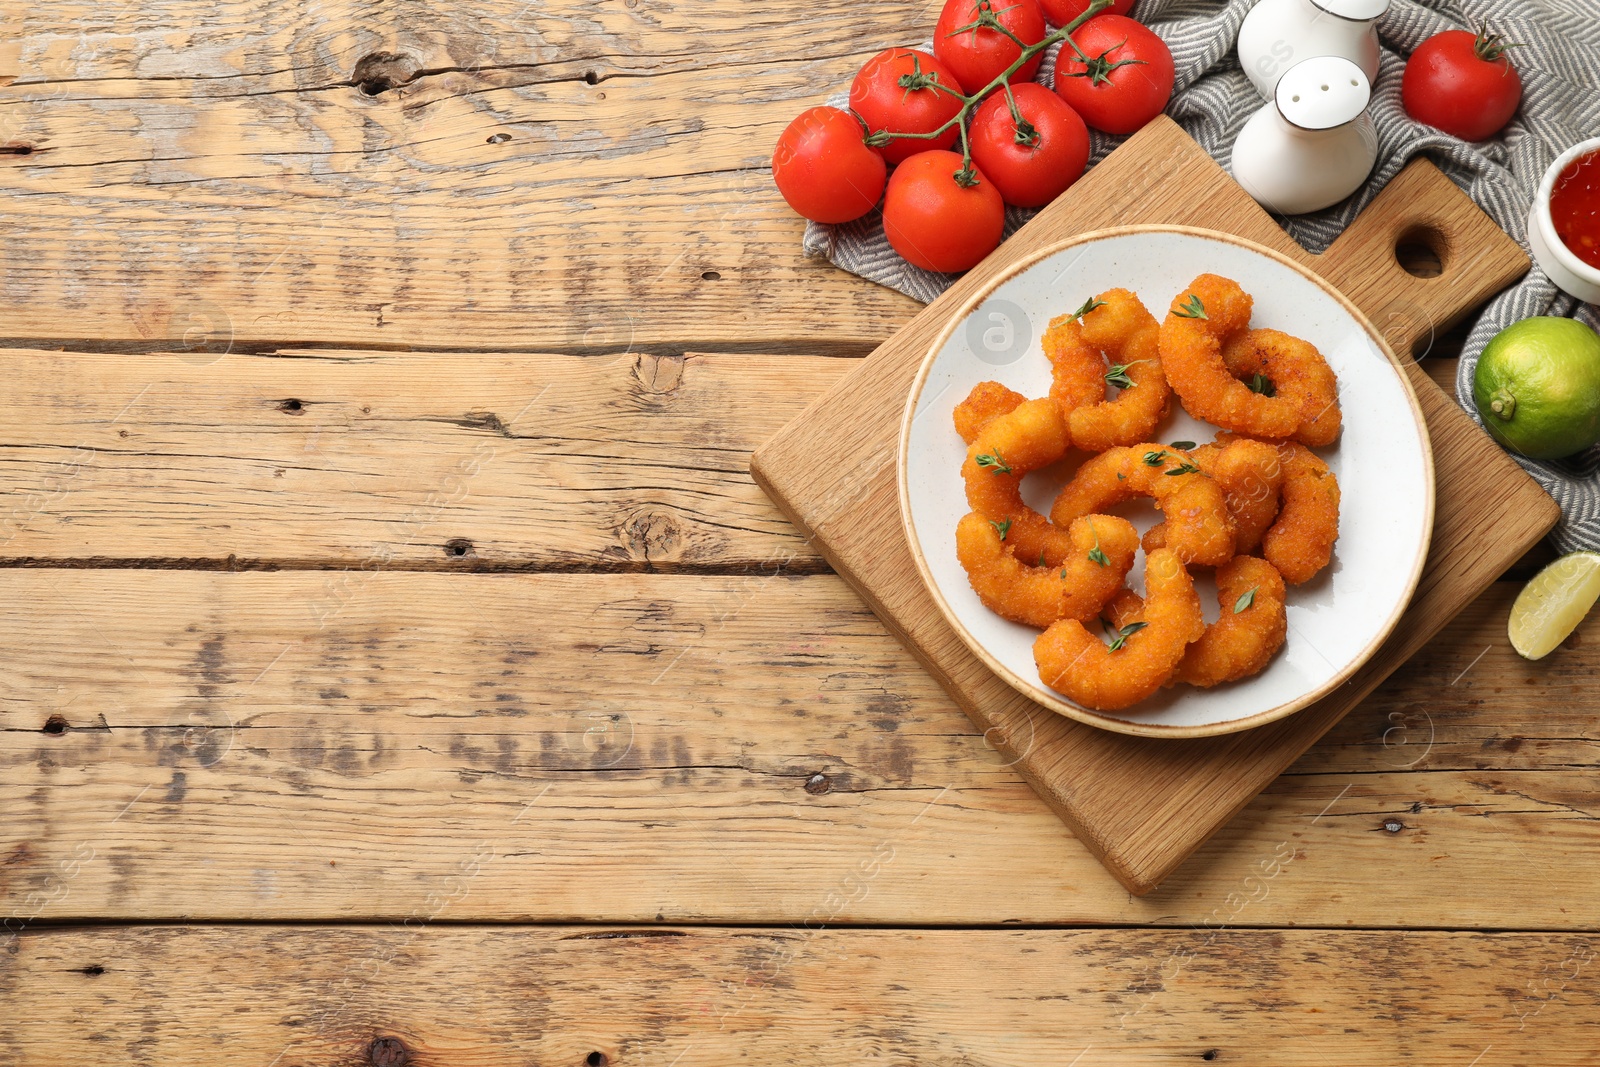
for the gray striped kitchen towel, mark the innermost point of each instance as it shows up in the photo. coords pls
(1560, 66)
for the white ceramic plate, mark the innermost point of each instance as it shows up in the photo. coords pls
(1383, 462)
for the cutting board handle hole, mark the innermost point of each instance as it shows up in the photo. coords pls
(1422, 251)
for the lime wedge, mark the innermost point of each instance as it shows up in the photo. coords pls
(1553, 604)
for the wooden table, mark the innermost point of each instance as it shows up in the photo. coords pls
(400, 666)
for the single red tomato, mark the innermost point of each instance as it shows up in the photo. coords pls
(1061, 12)
(979, 54)
(1462, 83)
(1127, 79)
(896, 91)
(934, 221)
(824, 168)
(1033, 161)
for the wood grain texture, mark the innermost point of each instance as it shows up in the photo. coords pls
(333, 746)
(1143, 805)
(332, 459)
(497, 998)
(540, 176)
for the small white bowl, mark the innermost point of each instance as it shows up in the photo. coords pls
(1559, 263)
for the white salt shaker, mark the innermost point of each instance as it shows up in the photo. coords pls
(1314, 144)
(1277, 34)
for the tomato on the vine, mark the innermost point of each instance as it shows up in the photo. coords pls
(1127, 79)
(940, 215)
(1462, 83)
(968, 41)
(1031, 162)
(1061, 12)
(898, 90)
(824, 168)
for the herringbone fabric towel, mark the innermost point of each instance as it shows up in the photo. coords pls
(1560, 66)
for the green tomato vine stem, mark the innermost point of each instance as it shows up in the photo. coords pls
(967, 175)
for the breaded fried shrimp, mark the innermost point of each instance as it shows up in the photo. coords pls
(987, 402)
(1113, 343)
(1102, 553)
(1204, 317)
(1031, 436)
(1075, 382)
(1198, 526)
(1076, 663)
(1248, 632)
(1298, 375)
(1300, 542)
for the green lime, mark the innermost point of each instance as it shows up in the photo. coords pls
(1553, 603)
(1537, 386)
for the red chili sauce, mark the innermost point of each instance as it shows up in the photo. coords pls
(1575, 207)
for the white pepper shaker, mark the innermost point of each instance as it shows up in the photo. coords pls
(1314, 144)
(1277, 34)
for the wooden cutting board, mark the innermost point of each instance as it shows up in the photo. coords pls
(1143, 805)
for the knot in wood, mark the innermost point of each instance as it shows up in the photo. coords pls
(651, 536)
(658, 375)
(378, 72)
(388, 1052)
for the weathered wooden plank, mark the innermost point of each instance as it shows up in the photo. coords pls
(485, 997)
(410, 460)
(539, 176)
(324, 458)
(316, 746)
(1468, 701)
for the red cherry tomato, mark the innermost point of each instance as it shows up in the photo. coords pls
(1061, 12)
(895, 91)
(1462, 83)
(1030, 164)
(934, 221)
(1127, 80)
(980, 54)
(824, 168)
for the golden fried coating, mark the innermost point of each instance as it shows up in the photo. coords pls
(1125, 607)
(1300, 542)
(1251, 476)
(987, 402)
(1075, 382)
(1198, 526)
(1248, 633)
(1103, 550)
(1115, 342)
(1031, 436)
(1201, 320)
(1076, 663)
(1299, 375)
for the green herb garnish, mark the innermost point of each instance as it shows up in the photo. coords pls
(1185, 446)
(1095, 553)
(1260, 383)
(1154, 459)
(1183, 468)
(994, 462)
(1118, 374)
(1191, 308)
(1245, 601)
(1120, 637)
(1088, 306)
(1001, 528)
